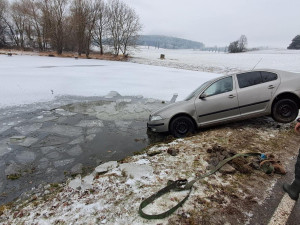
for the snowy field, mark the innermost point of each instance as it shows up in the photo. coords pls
(219, 62)
(30, 79)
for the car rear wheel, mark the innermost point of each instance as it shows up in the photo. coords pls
(285, 111)
(181, 126)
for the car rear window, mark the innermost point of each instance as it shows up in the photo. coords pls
(268, 76)
(249, 79)
(255, 77)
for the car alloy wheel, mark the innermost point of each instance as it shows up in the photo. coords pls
(181, 126)
(285, 111)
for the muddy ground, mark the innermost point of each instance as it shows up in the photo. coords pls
(227, 197)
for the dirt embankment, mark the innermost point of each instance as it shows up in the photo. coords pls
(113, 197)
(92, 55)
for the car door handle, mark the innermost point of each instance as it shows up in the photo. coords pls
(231, 96)
(271, 86)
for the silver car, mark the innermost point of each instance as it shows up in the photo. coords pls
(233, 97)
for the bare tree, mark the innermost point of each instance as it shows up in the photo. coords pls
(20, 22)
(35, 28)
(124, 25)
(243, 43)
(79, 15)
(9, 21)
(101, 26)
(84, 15)
(56, 24)
(233, 47)
(3, 8)
(55, 17)
(115, 8)
(295, 43)
(94, 7)
(131, 28)
(239, 45)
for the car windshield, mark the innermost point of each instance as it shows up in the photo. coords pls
(197, 91)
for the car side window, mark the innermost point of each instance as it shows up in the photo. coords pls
(249, 79)
(221, 86)
(268, 76)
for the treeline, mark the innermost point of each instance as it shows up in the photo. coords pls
(68, 25)
(166, 42)
(239, 45)
(295, 43)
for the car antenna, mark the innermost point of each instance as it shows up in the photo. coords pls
(257, 63)
(175, 95)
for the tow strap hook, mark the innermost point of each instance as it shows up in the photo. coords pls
(180, 183)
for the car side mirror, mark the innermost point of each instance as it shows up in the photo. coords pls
(203, 96)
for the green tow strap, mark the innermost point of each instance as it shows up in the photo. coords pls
(182, 185)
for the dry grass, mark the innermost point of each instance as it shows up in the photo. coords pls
(92, 55)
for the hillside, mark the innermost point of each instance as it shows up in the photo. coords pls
(160, 41)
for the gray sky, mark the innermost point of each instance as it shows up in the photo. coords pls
(271, 23)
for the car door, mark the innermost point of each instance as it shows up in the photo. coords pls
(218, 102)
(255, 90)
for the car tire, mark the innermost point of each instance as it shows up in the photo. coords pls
(285, 111)
(181, 126)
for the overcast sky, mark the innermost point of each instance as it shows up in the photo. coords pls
(271, 23)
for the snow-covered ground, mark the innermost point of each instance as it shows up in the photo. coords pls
(219, 62)
(114, 197)
(29, 79)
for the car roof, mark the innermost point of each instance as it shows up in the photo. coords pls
(278, 72)
(286, 74)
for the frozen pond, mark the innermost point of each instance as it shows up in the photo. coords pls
(31, 79)
(53, 124)
(49, 145)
